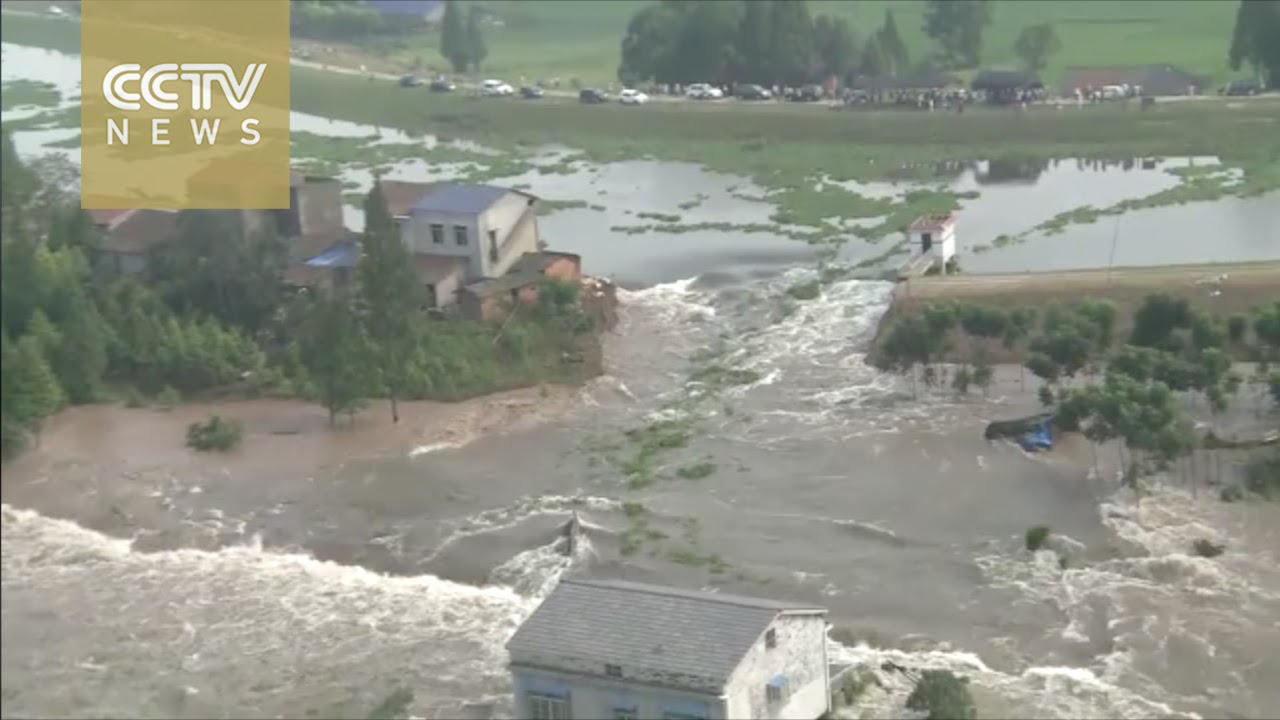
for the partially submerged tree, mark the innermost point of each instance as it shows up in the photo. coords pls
(943, 696)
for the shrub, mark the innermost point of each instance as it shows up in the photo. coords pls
(133, 398)
(1237, 326)
(214, 434)
(1231, 493)
(1262, 476)
(696, 471)
(168, 397)
(1036, 537)
(1207, 548)
(1046, 396)
(805, 291)
(943, 695)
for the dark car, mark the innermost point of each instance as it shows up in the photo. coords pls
(591, 96)
(531, 92)
(1236, 88)
(410, 81)
(442, 85)
(754, 92)
(808, 93)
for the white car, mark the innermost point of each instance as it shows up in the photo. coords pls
(496, 88)
(632, 97)
(703, 91)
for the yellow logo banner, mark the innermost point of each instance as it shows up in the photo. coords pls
(185, 104)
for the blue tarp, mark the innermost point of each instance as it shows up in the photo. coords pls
(340, 255)
(1039, 439)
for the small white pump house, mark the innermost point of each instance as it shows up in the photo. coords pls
(933, 236)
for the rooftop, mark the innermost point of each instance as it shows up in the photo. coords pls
(932, 222)
(458, 198)
(108, 217)
(137, 231)
(401, 195)
(694, 639)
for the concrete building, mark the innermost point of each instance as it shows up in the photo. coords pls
(459, 236)
(611, 649)
(932, 241)
(129, 235)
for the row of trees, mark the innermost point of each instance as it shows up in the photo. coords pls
(780, 42)
(760, 41)
(212, 312)
(1171, 349)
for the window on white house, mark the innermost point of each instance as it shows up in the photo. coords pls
(548, 707)
(771, 638)
(613, 670)
(460, 234)
(437, 234)
(493, 245)
(775, 691)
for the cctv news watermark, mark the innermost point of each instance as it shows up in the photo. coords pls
(202, 77)
(185, 104)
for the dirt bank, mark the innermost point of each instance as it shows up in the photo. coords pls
(112, 439)
(1220, 289)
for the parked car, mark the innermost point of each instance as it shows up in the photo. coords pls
(442, 84)
(496, 88)
(592, 96)
(410, 81)
(632, 97)
(531, 92)
(1236, 88)
(807, 93)
(703, 91)
(754, 92)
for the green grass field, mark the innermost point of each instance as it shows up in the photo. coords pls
(542, 39)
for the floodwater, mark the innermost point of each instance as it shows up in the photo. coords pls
(312, 581)
(1014, 196)
(139, 580)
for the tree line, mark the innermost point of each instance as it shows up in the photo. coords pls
(1171, 349)
(211, 313)
(779, 42)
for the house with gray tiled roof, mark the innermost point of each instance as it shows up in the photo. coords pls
(613, 649)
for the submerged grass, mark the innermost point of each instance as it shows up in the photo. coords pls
(28, 93)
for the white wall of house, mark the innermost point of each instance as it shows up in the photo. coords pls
(800, 656)
(598, 697)
(419, 238)
(942, 243)
(446, 289)
(500, 219)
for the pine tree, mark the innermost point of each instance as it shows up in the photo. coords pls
(454, 42)
(335, 353)
(389, 294)
(31, 390)
(81, 357)
(892, 48)
(477, 51)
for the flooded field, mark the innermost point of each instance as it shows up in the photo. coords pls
(307, 576)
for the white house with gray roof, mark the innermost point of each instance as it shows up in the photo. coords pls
(613, 649)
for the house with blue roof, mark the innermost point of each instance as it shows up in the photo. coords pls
(458, 235)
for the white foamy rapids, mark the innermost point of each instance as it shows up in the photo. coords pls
(1039, 692)
(1166, 623)
(503, 518)
(673, 301)
(433, 447)
(535, 573)
(93, 628)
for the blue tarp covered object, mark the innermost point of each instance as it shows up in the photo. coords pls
(1041, 438)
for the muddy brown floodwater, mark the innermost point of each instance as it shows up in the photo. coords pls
(311, 571)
